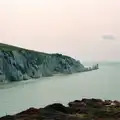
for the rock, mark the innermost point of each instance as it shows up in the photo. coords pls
(30, 111)
(2, 78)
(26, 77)
(18, 64)
(116, 103)
(58, 107)
(107, 102)
(77, 110)
(8, 117)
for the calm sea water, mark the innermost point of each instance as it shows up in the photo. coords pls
(103, 83)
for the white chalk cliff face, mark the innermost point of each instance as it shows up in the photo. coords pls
(20, 64)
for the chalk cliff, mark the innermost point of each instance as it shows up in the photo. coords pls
(21, 64)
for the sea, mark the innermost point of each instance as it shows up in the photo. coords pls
(103, 83)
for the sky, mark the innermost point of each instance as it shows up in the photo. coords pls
(88, 30)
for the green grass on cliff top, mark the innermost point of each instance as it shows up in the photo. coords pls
(7, 47)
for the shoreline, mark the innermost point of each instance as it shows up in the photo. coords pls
(87, 69)
(85, 109)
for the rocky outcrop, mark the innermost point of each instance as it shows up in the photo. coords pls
(85, 109)
(20, 64)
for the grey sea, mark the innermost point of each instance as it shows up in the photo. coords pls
(103, 83)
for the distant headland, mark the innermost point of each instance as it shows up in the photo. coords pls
(18, 64)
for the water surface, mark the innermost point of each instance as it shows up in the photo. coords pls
(103, 83)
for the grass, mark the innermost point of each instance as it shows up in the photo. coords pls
(6, 47)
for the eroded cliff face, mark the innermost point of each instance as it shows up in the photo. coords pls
(19, 64)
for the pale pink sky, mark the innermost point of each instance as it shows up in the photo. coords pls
(71, 27)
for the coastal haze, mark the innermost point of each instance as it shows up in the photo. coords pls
(103, 83)
(88, 30)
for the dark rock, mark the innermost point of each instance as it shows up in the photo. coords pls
(116, 103)
(107, 102)
(58, 107)
(8, 117)
(77, 110)
(30, 111)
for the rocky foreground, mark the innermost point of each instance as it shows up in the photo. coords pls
(18, 64)
(85, 109)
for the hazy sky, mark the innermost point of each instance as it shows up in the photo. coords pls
(83, 29)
